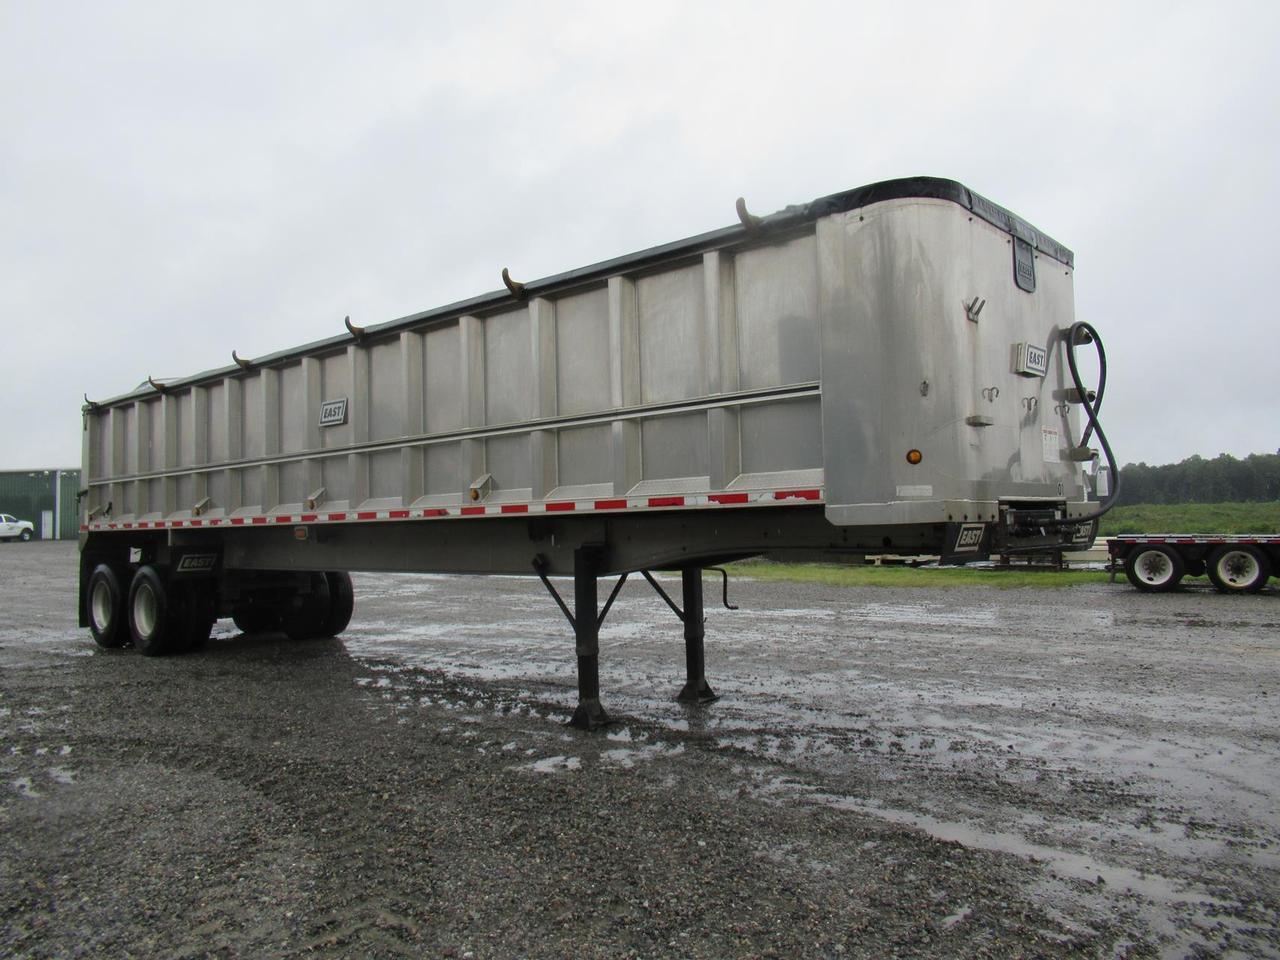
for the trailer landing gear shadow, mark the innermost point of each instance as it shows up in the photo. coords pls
(586, 622)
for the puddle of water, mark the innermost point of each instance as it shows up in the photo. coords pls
(557, 764)
(628, 758)
(1159, 893)
(898, 691)
(921, 614)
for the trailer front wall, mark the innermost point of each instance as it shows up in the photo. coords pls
(906, 367)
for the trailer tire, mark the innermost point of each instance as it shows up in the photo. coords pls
(256, 619)
(308, 614)
(1154, 568)
(198, 633)
(153, 625)
(196, 617)
(105, 599)
(342, 603)
(1238, 568)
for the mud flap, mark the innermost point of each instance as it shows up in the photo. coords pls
(1084, 535)
(966, 542)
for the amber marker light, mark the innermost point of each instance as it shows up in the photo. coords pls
(914, 457)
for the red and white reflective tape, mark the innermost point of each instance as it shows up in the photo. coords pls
(1132, 541)
(771, 498)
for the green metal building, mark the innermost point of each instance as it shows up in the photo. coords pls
(45, 497)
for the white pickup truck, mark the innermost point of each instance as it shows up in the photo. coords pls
(11, 528)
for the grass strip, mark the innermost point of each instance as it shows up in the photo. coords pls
(846, 575)
(1261, 517)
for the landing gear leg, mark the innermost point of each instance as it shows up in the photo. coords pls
(589, 715)
(696, 689)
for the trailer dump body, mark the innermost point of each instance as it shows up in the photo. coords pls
(879, 370)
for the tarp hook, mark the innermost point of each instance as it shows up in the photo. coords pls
(515, 286)
(749, 220)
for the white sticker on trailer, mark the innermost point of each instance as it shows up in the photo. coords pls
(1051, 442)
(915, 490)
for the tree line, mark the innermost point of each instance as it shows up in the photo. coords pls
(1197, 480)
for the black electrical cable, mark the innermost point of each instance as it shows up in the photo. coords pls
(1080, 333)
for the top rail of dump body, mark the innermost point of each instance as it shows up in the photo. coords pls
(777, 223)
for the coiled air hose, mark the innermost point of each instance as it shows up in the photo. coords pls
(1078, 334)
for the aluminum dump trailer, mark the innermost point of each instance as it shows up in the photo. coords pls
(880, 370)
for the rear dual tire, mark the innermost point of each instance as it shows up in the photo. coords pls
(158, 616)
(250, 619)
(342, 603)
(324, 611)
(105, 599)
(164, 618)
(152, 622)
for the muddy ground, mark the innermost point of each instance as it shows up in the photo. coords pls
(972, 772)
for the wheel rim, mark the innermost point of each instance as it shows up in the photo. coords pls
(1238, 568)
(101, 607)
(1155, 568)
(144, 610)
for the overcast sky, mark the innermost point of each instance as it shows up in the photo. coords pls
(177, 180)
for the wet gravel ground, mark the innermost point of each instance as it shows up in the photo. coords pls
(971, 772)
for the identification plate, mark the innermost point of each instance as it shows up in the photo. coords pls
(333, 413)
(1031, 361)
(197, 563)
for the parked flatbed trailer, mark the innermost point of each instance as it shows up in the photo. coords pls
(889, 369)
(1157, 562)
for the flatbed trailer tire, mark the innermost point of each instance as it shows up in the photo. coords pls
(1154, 567)
(1238, 568)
